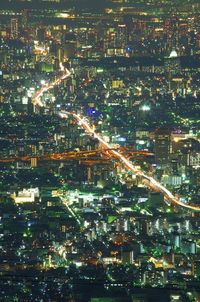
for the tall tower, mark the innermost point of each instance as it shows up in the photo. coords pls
(162, 147)
(24, 18)
(14, 28)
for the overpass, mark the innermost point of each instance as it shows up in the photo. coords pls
(149, 181)
(99, 155)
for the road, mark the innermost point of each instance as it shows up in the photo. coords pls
(79, 155)
(47, 87)
(149, 181)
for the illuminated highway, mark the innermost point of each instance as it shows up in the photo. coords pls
(149, 181)
(47, 87)
(92, 155)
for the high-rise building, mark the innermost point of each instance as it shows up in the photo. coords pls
(24, 18)
(162, 147)
(14, 28)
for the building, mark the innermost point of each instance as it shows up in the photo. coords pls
(14, 28)
(162, 147)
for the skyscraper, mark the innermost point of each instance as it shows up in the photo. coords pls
(14, 28)
(162, 147)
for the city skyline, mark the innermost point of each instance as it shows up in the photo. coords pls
(100, 151)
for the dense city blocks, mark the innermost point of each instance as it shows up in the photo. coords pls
(99, 151)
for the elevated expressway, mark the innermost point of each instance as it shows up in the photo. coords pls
(149, 181)
(91, 156)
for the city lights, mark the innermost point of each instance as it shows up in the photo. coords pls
(99, 150)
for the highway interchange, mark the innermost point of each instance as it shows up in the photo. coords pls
(82, 121)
